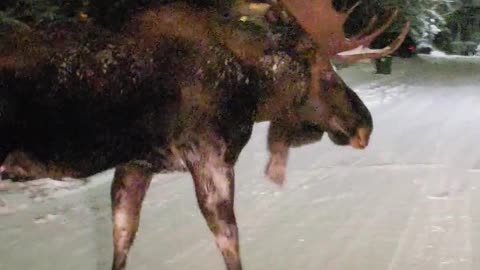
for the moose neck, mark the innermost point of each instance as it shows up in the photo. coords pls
(249, 47)
(287, 79)
(273, 105)
(293, 82)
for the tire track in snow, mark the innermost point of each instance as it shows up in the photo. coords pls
(437, 235)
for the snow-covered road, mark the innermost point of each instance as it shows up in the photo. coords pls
(411, 201)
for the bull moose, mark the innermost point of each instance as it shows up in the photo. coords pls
(177, 82)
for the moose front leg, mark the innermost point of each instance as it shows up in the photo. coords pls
(278, 140)
(214, 188)
(282, 136)
(129, 186)
(277, 163)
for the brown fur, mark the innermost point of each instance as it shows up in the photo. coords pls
(194, 93)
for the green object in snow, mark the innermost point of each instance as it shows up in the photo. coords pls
(384, 65)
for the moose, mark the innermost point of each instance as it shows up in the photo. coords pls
(177, 82)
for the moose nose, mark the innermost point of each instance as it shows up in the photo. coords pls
(361, 138)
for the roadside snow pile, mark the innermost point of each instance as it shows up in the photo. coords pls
(437, 53)
(41, 188)
(24, 193)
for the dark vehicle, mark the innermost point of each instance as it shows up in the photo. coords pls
(424, 50)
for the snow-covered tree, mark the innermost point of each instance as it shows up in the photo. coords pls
(426, 16)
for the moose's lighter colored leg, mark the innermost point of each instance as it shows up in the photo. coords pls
(277, 164)
(281, 137)
(278, 146)
(214, 187)
(129, 186)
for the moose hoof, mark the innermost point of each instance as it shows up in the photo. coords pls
(275, 173)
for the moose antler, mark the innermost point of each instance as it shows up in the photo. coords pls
(325, 27)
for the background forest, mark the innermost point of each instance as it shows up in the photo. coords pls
(448, 25)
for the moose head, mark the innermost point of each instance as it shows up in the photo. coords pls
(327, 103)
(343, 115)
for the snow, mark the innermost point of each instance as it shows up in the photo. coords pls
(409, 201)
(437, 53)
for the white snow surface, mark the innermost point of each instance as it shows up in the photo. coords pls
(409, 201)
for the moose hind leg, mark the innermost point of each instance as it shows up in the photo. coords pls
(129, 186)
(214, 188)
